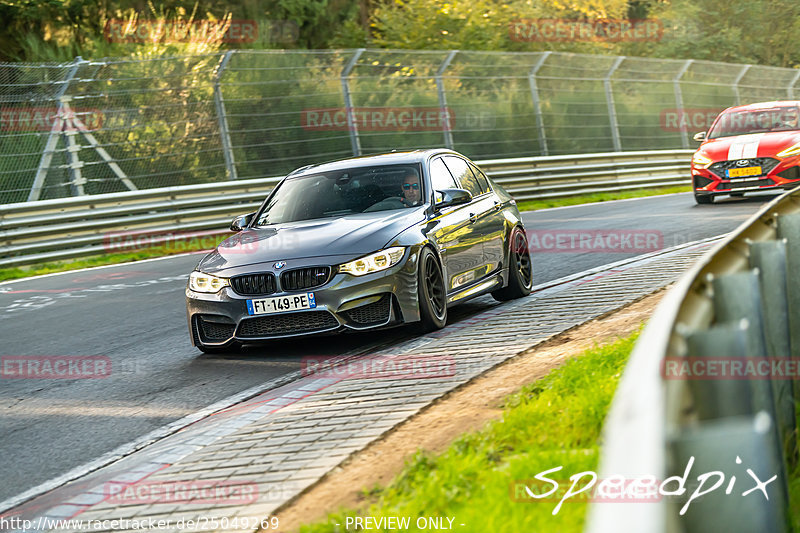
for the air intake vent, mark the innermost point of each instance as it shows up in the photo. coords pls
(254, 284)
(305, 278)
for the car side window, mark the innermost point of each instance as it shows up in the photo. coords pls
(440, 176)
(482, 179)
(463, 175)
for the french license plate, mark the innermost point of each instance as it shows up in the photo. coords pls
(744, 171)
(281, 304)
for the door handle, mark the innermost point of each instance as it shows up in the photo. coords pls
(473, 217)
(497, 205)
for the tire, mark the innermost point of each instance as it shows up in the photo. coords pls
(703, 199)
(431, 292)
(520, 268)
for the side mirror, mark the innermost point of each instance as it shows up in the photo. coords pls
(242, 221)
(450, 197)
(700, 136)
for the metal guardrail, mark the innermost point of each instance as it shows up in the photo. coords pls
(80, 226)
(739, 304)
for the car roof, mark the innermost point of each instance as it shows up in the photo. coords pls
(763, 105)
(389, 158)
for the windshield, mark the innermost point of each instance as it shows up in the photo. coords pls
(783, 118)
(344, 192)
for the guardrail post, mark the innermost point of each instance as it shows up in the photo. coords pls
(769, 258)
(738, 296)
(736, 82)
(679, 98)
(537, 106)
(731, 447)
(790, 88)
(443, 111)
(352, 126)
(55, 131)
(721, 398)
(222, 117)
(612, 111)
(789, 229)
(76, 179)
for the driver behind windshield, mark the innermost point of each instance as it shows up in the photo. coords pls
(412, 194)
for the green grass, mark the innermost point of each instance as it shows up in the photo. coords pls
(112, 259)
(533, 205)
(108, 259)
(553, 422)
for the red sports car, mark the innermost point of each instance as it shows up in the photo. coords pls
(748, 148)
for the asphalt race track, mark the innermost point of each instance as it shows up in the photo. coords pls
(134, 315)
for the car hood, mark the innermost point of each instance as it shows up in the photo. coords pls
(350, 236)
(749, 146)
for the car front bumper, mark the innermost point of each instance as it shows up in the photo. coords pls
(345, 302)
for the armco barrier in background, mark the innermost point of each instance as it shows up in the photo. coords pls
(174, 217)
(712, 378)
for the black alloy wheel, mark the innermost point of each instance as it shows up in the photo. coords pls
(432, 293)
(520, 269)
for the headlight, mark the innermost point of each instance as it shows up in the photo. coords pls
(791, 151)
(374, 262)
(701, 161)
(200, 282)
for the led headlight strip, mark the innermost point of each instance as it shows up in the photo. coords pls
(200, 282)
(701, 161)
(374, 262)
(791, 151)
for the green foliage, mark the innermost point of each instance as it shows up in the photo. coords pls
(106, 259)
(60, 30)
(533, 205)
(553, 422)
(758, 31)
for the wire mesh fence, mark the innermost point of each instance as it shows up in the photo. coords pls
(90, 127)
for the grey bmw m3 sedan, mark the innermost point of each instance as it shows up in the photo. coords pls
(358, 244)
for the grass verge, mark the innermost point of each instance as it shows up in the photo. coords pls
(480, 479)
(112, 259)
(177, 247)
(533, 205)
